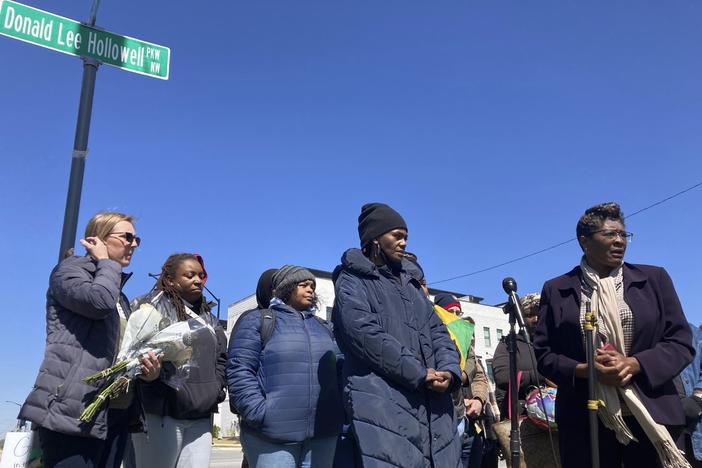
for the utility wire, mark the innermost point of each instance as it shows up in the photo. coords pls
(483, 270)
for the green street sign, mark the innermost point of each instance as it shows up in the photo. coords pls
(65, 35)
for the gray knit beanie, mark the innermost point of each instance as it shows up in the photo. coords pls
(291, 274)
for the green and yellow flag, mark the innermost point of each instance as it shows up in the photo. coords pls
(460, 331)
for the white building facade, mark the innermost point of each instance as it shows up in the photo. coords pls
(490, 325)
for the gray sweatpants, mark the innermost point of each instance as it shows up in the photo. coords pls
(173, 443)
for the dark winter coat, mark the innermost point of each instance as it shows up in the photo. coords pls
(287, 391)
(390, 335)
(661, 343)
(203, 389)
(526, 362)
(82, 338)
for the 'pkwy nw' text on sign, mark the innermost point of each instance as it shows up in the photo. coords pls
(71, 37)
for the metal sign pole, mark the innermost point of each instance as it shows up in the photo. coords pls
(80, 149)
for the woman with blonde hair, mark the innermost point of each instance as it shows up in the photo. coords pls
(85, 308)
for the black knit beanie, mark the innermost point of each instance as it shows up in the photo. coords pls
(264, 288)
(375, 220)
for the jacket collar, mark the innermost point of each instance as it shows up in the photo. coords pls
(354, 261)
(632, 274)
(125, 278)
(91, 266)
(277, 304)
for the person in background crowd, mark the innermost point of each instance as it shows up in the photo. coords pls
(264, 289)
(690, 441)
(400, 365)
(470, 399)
(85, 308)
(264, 294)
(491, 446)
(179, 421)
(526, 361)
(286, 390)
(645, 343)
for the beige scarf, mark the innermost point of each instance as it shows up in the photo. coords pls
(606, 309)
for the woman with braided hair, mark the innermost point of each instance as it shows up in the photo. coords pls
(180, 422)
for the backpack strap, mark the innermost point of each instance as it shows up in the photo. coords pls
(266, 328)
(267, 325)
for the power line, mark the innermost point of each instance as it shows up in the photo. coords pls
(483, 270)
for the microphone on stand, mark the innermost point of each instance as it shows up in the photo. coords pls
(514, 310)
(510, 287)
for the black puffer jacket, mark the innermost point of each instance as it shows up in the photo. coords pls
(204, 388)
(82, 337)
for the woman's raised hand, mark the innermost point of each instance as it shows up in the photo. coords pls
(96, 247)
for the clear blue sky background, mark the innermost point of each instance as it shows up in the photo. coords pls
(490, 126)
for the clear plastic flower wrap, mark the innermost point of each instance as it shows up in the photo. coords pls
(148, 329)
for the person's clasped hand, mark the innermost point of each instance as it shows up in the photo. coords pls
(438, 381)
(474, 408)
(150, 366)
(613, 368)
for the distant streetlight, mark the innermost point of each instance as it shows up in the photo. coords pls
(21, 423)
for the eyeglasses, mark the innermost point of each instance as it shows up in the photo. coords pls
(128, 236)
(611, 234)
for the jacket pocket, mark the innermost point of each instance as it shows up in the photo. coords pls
(62, 388)
(195, 399)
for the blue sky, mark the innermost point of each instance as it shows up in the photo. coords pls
(490, 126)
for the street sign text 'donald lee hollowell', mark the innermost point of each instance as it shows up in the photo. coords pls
(71, 37)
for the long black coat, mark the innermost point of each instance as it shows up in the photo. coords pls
(661, 343)
(390, 335)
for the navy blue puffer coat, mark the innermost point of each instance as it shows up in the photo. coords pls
(287, 391)
(390, 335)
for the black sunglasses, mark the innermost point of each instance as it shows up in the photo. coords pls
(128, 236)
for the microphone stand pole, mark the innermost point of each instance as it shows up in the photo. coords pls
(590, 327)
(514, 389)
(515, 319)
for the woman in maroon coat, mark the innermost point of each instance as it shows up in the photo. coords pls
(645, 343)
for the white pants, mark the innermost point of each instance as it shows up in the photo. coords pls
(173, 443)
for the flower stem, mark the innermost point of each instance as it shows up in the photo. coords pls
(107, 372)
(111, 391)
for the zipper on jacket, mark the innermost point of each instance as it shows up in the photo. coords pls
(309, 391)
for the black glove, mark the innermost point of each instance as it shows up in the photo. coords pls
(692, 406)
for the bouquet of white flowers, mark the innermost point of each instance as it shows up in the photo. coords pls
(147, 330)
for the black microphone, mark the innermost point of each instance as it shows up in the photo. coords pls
(510, 287)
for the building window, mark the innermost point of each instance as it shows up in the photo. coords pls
(499, 334)
(486, 336)
(489, 370)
